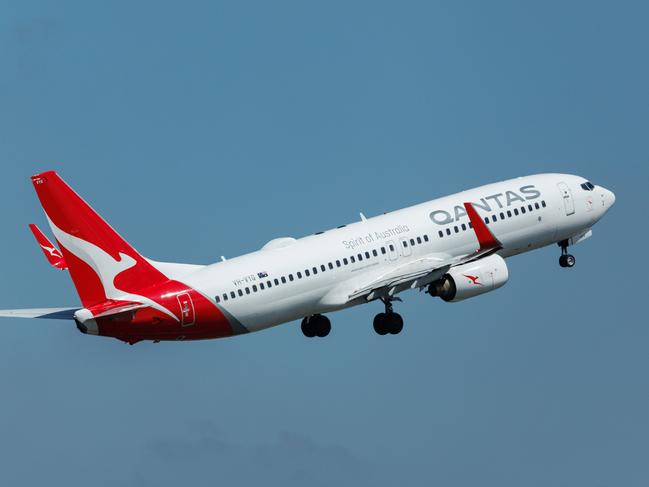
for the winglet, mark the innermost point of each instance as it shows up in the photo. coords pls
(52, 254)
(485, 237)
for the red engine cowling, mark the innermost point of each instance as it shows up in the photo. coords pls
(472, 279)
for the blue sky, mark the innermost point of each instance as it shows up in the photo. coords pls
(201, 129)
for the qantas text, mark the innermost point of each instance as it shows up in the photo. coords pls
(488, 203)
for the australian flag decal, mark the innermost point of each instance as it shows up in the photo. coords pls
(261, 275)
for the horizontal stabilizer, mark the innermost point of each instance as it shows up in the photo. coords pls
(52, 254)
(44, 313)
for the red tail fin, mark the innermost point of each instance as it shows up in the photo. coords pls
(102, 264)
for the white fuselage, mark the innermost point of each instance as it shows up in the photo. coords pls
(278, 283)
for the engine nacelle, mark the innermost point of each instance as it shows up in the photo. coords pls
(472, 279)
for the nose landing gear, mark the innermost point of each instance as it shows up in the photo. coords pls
(388, 322)
(566, 259)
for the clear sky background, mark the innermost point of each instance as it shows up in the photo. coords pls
(207, 128)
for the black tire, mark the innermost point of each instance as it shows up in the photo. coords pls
(562, 261)
(308, 329)
(395, 323)
(322, 325)
(381, 324)
(570, 260)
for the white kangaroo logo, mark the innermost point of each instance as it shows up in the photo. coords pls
(106, 267)
(52, 251)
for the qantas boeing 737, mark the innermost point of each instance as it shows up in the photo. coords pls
(452, 247)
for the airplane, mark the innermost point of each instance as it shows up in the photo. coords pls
(453, 248)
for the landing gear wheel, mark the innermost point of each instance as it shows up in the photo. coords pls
(323, 326)
(381, 324)
(396, 323)
(570, 260)
(308, 329)
(567, 260)
(316, 325)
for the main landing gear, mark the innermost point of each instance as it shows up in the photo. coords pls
(388, 322)
(316, 326)
(566, 259)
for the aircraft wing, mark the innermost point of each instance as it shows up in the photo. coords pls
(423, 271)
(45, 313)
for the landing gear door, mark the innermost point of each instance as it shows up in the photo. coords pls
(187, 315)
(568, 202)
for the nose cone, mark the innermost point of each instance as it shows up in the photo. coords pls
(609, 198)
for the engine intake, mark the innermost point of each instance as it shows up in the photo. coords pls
(472, 279)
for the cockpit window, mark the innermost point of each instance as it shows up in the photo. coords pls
(588, 186)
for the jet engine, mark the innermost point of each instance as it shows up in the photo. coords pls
(471, 279)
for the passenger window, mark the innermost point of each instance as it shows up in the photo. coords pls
(418, 240)
(254, 288)
(247, 290)
(529, 207)
(269, 285)
(352, 259)
(543, 204)
(486, 219)
(470, 225)
(391, 248)
(315, 270)
(283, 280)
(277, 282)
(290, 277)
(494, 218)
(536, 205)
(457, 230)
(337, 263)
(523, 209)
(225, 296)
(322, 267)
(412, 242)
(448, 231)
(232, 295)
(375, 253)
(441, 234)
(306, 273)
(405, 243)
(367, 255)
(425, 239)
(509, 213)
(299, 275)
(360, 257)
(261, 286)
(383, 250)
(240, 292)
(331, 266)
(345, 261)
(464, 227)
(217, 299)
(516, 211)
(502, 216)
